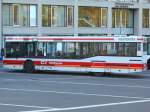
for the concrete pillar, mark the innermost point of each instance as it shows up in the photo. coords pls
(76, 17)
(39, 17)
(140, 19)
(109, 19)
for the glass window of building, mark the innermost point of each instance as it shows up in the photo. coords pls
(7, 15)
(33, 15)
(24, 9)
(130, 19)
(103, 17)
(19, 15)
(16, 14)
(46, 16)
(122, 18)
(92, 17)
(57, 16)
(146, 18)
(70, 16)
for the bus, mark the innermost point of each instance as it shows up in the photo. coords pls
(95, 54)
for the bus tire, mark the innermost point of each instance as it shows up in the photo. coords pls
(29, 67)
(148, 64)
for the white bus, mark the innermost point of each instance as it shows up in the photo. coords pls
(115, 54)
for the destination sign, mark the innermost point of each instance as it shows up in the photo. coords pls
(123, 5)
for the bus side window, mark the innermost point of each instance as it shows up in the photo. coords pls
(145, 47)
(148, 48)
(139, 50)
(138, 46)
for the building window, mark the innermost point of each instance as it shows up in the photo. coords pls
(16, 14)
(57, 16)
(92, 17)
(46, 16)
(19, 15)
(146, 18)
(7, 15)
(24, 16)
(33, 15)
(103, 17)
(70, 16)
(122, 18)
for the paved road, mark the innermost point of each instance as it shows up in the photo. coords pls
(68, 92)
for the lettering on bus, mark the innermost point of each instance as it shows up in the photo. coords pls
(55, 63)
(43, 62)
(126, 39)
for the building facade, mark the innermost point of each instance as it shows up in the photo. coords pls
(74, 17)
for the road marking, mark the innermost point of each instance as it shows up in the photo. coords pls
(28, 106)
(37, 78)
(96, 84)
(77, 83)
(141, 79)
(90, 106)
(72, 93)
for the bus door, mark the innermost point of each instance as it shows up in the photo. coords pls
(107, 68)
(148, 46)
(31, 49)
(139, 49)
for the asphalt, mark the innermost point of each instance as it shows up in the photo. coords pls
(70, 92)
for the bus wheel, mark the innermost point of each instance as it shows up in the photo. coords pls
(148, 64)
(29, 67)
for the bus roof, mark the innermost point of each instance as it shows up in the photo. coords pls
(75, 38)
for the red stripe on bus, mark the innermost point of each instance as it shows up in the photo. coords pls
(78, 64)
(13, 61)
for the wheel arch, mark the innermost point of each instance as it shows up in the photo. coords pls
(26, 64)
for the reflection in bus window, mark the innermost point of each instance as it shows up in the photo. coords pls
(16, 49)
(70, 50)
(148, 48)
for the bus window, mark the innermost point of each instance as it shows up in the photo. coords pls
(59, 51)
(51, 50)
(131, 49)
(69, 50)
(145, 47)
(31, 49)
(41, 49)
(139, 49)
(120, 49)
(148, 48)
(16, 50)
